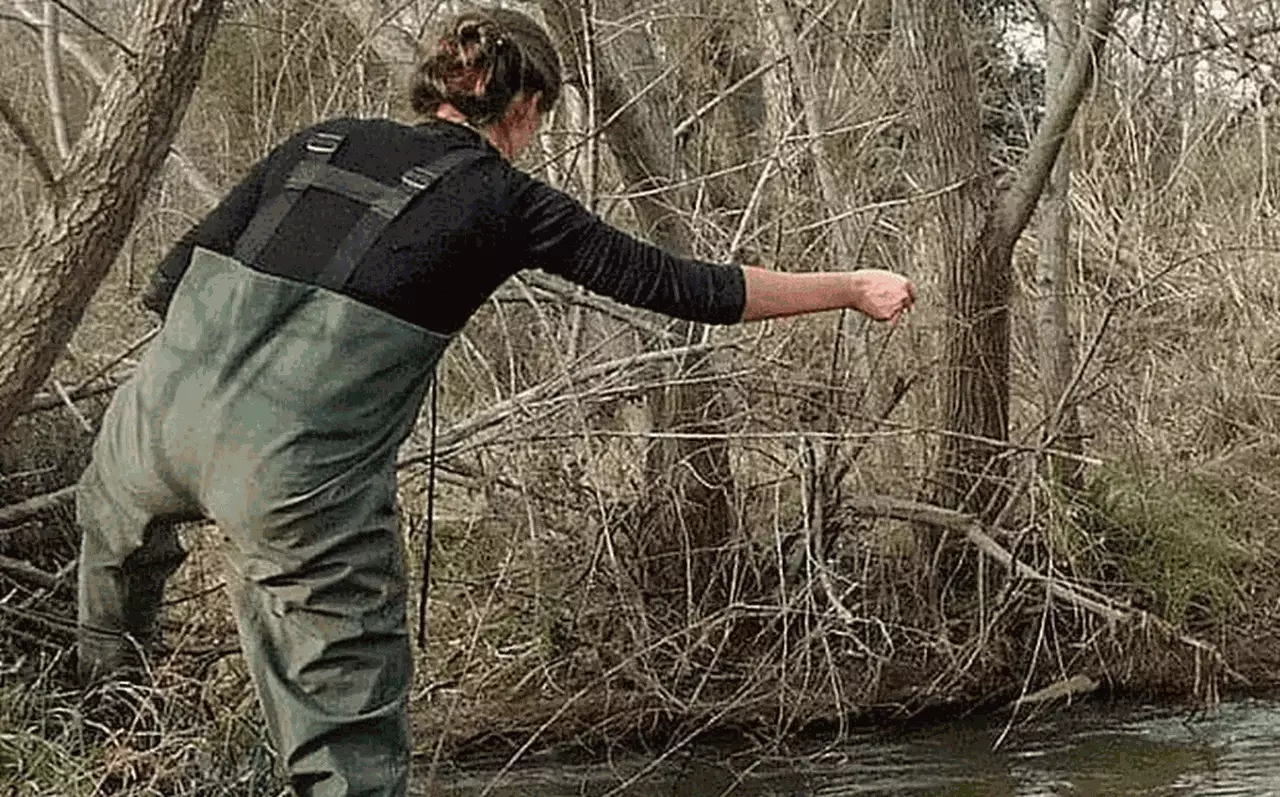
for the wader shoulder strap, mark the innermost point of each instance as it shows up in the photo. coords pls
(384, 210)
(383, 202)
(320, 149)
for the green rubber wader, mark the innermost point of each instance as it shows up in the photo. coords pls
(276, 409)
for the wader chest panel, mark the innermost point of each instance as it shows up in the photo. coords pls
(383, 203)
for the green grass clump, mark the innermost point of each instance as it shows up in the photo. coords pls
(1174, 537)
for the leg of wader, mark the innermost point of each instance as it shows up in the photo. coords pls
(126, 556)
(320, 604)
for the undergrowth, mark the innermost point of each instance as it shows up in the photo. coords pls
(178, 737)
(1173, 538)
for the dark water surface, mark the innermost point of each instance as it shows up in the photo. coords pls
(1085, 751)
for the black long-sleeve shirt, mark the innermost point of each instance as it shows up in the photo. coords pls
(455, 244)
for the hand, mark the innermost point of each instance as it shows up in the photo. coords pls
(882, 295)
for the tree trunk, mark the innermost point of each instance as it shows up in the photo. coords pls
(689, 507)
(976, 278)
(978, 230)
(1057, 351)
(807, 82)
(84, 221)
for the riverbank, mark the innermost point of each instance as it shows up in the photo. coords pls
(199, 728)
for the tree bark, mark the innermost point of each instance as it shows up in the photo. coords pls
(70, 45)
(1056, 347)
(84, 221)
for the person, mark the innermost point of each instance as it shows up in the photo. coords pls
(303, 318)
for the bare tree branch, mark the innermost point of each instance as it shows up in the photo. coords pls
(48, 401)
(1019, 202)
(33, 507)
(74, 47)
(24, 22)
(1246, 36)
(53, 79)
(496, 413)
(28, 141)
(93, 26)
(28, 572)
(51, 623)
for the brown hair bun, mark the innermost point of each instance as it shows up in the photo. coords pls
(483, 59)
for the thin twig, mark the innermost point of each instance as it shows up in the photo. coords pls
(81, 390)
(45, 592)
(499, 412)
(75, 411)
(17, 513)
(25, 22)
(877, 206)
(91, 25)
(710, 105)
(50, 622)
(27, 572)
(44, 401)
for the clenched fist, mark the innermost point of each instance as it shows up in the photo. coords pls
(882, 295)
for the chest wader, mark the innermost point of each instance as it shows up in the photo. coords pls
(275, 408)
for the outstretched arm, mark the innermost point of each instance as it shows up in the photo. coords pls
(880, 295)
(560, 236)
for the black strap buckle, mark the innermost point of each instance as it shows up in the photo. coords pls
(324, 143)
(419, 178)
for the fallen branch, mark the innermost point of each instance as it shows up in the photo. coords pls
(13, 532)
(1069, 689)
(22, 511)
(71, 407)
(27, 572)
(46, 401)
(82, 389)
(499, 412)
(1095, 603)
(50, 622)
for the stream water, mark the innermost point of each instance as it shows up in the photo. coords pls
(1086, 751)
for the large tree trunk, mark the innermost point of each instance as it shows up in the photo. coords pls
(1055, 340)
(978, 230)
(975, 378)
(87, 215)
